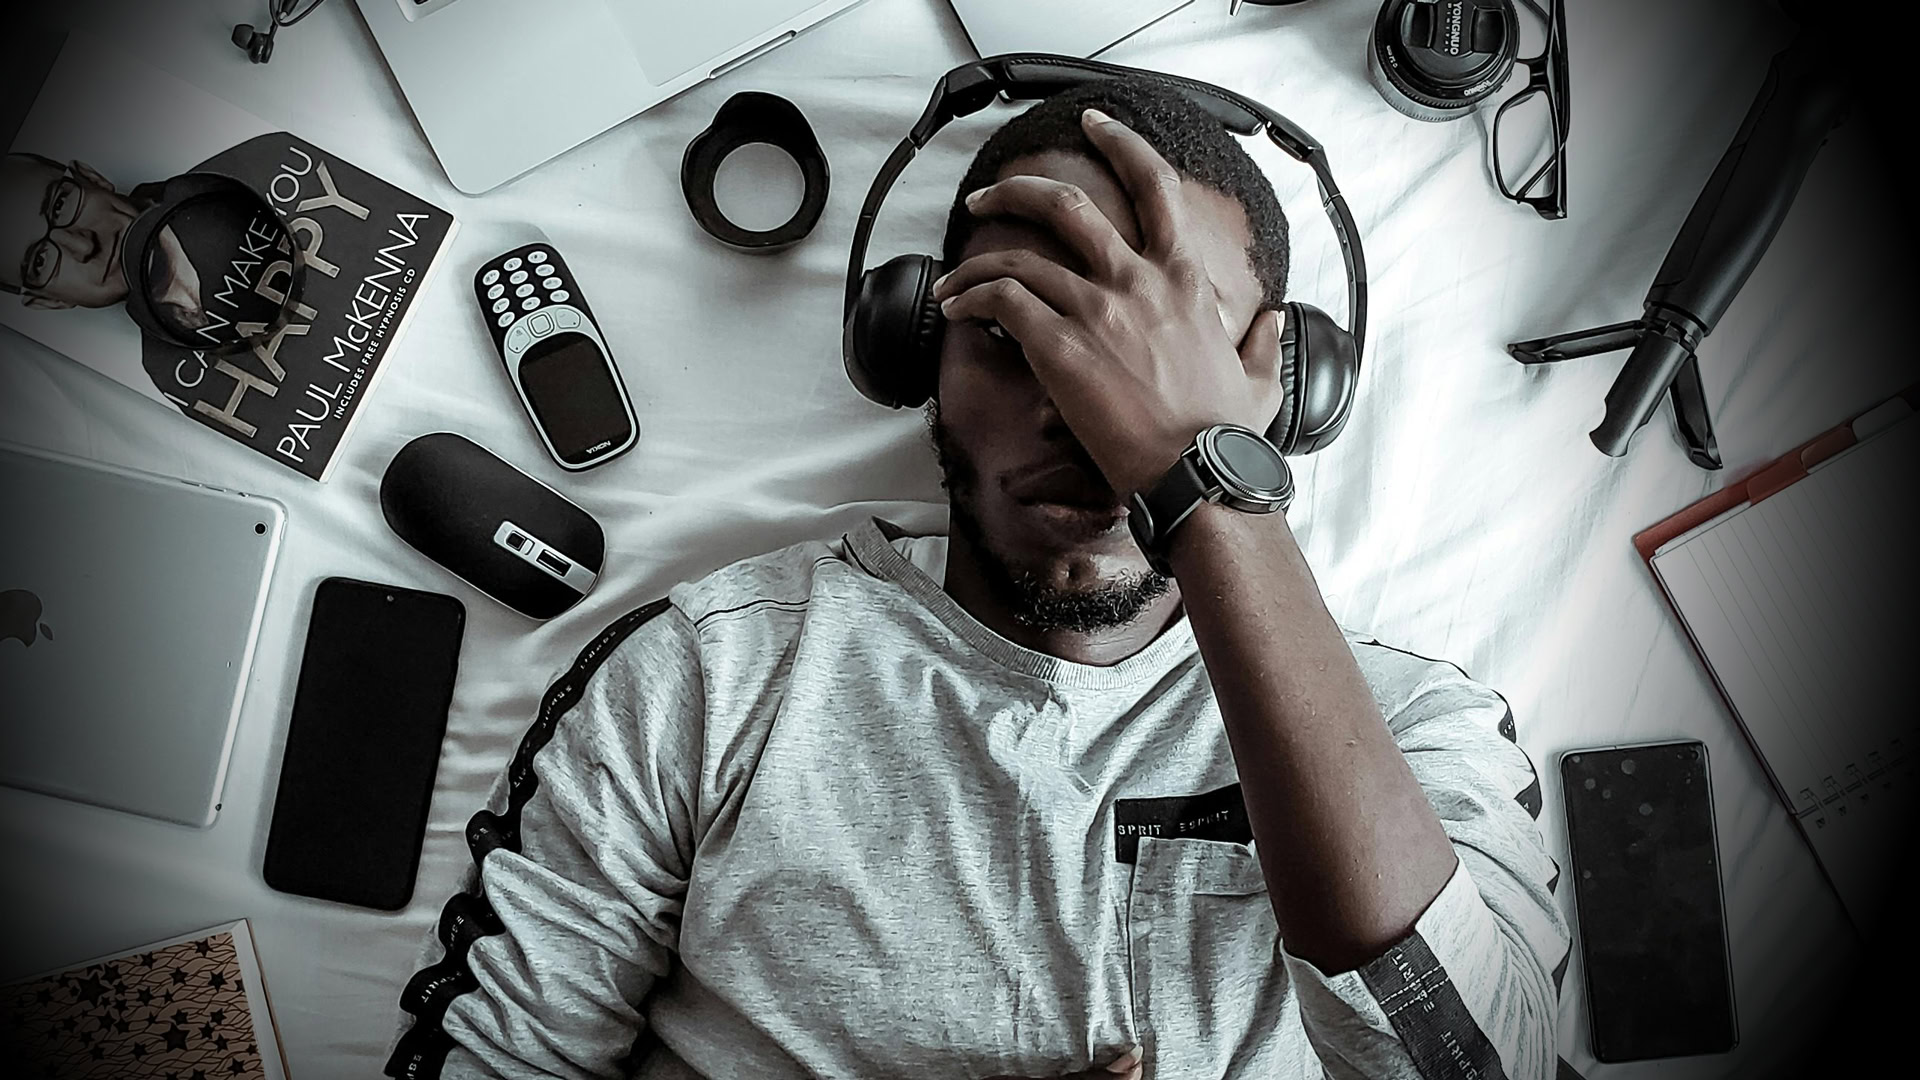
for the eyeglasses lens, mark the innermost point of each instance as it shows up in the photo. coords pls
(64, 208)
(1524, 146)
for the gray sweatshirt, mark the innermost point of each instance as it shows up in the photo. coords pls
(807, 817)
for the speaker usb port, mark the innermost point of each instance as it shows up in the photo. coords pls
(554, 563)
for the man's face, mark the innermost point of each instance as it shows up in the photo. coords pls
(89, 248)
(1022, 488)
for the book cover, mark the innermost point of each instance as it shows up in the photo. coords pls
(103, 136)
(191, 1006)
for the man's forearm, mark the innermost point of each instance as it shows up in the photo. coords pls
(1351, 850)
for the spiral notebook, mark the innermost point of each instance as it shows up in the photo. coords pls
(1798, 587)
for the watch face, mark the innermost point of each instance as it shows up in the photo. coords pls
(1249, 459)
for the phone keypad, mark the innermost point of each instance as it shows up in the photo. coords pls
(518, 289)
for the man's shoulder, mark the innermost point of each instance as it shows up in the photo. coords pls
(1461, 729)
(733, 618)
(779, 582)
(1410, 687)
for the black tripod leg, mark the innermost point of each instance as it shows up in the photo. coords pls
(1690, 411)
(1600, 339)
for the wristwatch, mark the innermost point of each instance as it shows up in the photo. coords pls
(1226, 464)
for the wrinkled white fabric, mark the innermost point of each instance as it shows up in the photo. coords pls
(1463, 514)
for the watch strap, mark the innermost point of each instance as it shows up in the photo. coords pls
(1157, 511)
(1201, 476)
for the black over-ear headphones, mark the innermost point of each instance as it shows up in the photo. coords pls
(893, 328)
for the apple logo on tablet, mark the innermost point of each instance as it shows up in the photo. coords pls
(20, 618)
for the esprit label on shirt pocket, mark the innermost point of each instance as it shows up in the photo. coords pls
(1218, 815)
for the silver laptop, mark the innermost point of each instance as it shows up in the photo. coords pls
(129, 607)
(500, 86)
(1068, 27)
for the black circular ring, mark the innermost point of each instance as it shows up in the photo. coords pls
(755, 117)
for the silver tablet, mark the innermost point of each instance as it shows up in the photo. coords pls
(129, 608)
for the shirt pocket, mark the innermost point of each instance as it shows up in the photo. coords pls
(1209, 984)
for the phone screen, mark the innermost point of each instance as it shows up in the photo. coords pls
(569, 383)
(1652, 925)
(363, 743)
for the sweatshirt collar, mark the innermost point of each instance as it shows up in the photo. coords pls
(871, 544)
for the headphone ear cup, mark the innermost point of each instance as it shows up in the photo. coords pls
(1280, 432)
(1321, 373)
(891, 343)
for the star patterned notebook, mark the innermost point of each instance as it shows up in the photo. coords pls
(190, 1008)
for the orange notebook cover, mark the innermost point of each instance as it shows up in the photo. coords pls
(1790, 468)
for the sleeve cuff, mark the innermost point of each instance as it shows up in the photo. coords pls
(1405, 1007)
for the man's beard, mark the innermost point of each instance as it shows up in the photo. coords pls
(1028, 596)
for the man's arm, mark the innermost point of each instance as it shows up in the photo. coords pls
(1351, 849)
(541, 965)
(1362, 876)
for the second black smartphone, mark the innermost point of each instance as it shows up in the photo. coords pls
(1646, 876)
(363, 745)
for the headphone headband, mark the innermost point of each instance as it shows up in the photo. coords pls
(973, 86)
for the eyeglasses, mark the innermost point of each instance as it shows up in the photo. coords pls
(1530, 129)
(61, 207)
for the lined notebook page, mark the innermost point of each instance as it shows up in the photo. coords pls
(1803, 607)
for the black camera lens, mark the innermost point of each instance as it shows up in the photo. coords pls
(1438, 60)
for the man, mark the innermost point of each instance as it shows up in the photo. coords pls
(857, 809)
(61, 228)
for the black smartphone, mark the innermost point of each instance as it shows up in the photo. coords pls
(1652, 921)
(363, 743)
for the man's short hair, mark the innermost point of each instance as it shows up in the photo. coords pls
(1191, 140)
(41, 158)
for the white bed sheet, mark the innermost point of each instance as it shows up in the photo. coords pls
(1463, 514)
